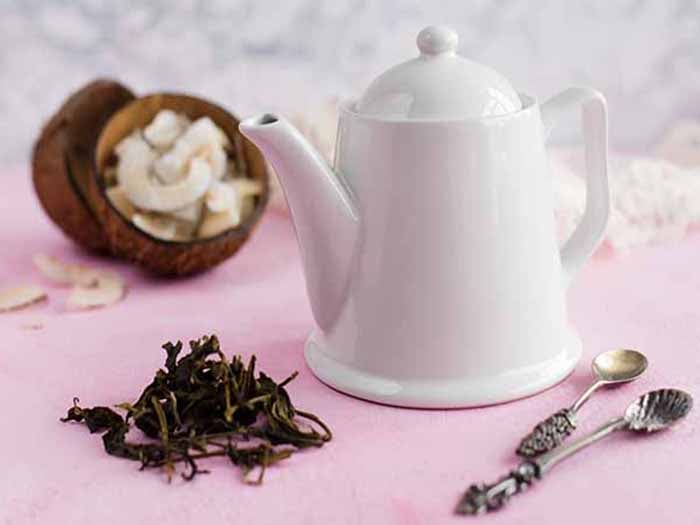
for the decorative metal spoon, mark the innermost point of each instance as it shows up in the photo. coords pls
(651, 412)
(612, 367)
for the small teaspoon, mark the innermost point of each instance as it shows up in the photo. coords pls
(610, 368)
(653, 411)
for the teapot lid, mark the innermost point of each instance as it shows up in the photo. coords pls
(439, 84)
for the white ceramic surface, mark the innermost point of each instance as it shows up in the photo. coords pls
(439, 84)
(430, 253)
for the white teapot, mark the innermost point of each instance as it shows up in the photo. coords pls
(429, 249)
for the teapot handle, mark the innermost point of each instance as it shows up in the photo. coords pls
(594, 118)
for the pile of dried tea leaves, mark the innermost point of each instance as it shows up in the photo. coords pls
(202, 405)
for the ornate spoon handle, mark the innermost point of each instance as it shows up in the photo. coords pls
(482, 498)
(550, 433)
(485, 498)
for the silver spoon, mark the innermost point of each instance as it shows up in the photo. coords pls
(610, 368)
(651, 412)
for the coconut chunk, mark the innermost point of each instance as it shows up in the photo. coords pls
(202, 137)
(216, 223)
(176, 181)
(65, 273)
(216, 156)
(191, 213)
(117, 196)
(160, 227)
(169, 168)
(247, 187)
(149, 195)
(108, 290)
(203, 131)
(222, 196)
(18, 297)
(165, 129)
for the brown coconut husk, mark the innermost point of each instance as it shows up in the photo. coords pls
(61, 168)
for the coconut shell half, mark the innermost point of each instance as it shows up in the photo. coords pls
(61, 160)
(172, 258)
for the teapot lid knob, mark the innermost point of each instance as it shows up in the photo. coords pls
(438, 84)
(435, 40)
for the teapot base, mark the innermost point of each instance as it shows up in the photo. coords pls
(447, 393)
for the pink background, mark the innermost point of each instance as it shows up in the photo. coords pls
(385, 465)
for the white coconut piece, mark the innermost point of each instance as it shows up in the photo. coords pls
(165, 129)
(109, 289)
(117, 196)
(17, 297)
(65, 273)
(91, 287)
(247, 187)
(216, 223)
(203, 131)
(215, 154)
(169, 169)
(201, 136)
(222, 196)
(158, 226)
(144, 193)
(190, 213)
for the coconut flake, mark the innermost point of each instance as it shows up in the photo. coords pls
(165, 128)
(216, 223)
(108, 290)
(117, 196)
(222, 196)
(160, 227)
(216, 156)
(65, 273)
(91, 287)
(190, 213)
(247, 187)
(18, 297)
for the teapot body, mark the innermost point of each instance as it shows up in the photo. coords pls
(430, 253)
(455, 295)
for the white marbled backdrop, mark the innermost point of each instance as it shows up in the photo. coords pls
(289, 55)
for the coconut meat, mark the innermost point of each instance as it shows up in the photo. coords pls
(174, 179)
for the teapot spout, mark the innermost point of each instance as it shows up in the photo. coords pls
(323, 211)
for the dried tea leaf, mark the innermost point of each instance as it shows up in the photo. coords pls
(17, 297)
(202, 405)
(108, 289)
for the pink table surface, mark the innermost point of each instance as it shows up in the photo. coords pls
(385, 465)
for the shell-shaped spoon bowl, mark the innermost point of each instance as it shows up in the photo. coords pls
(658, 409)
